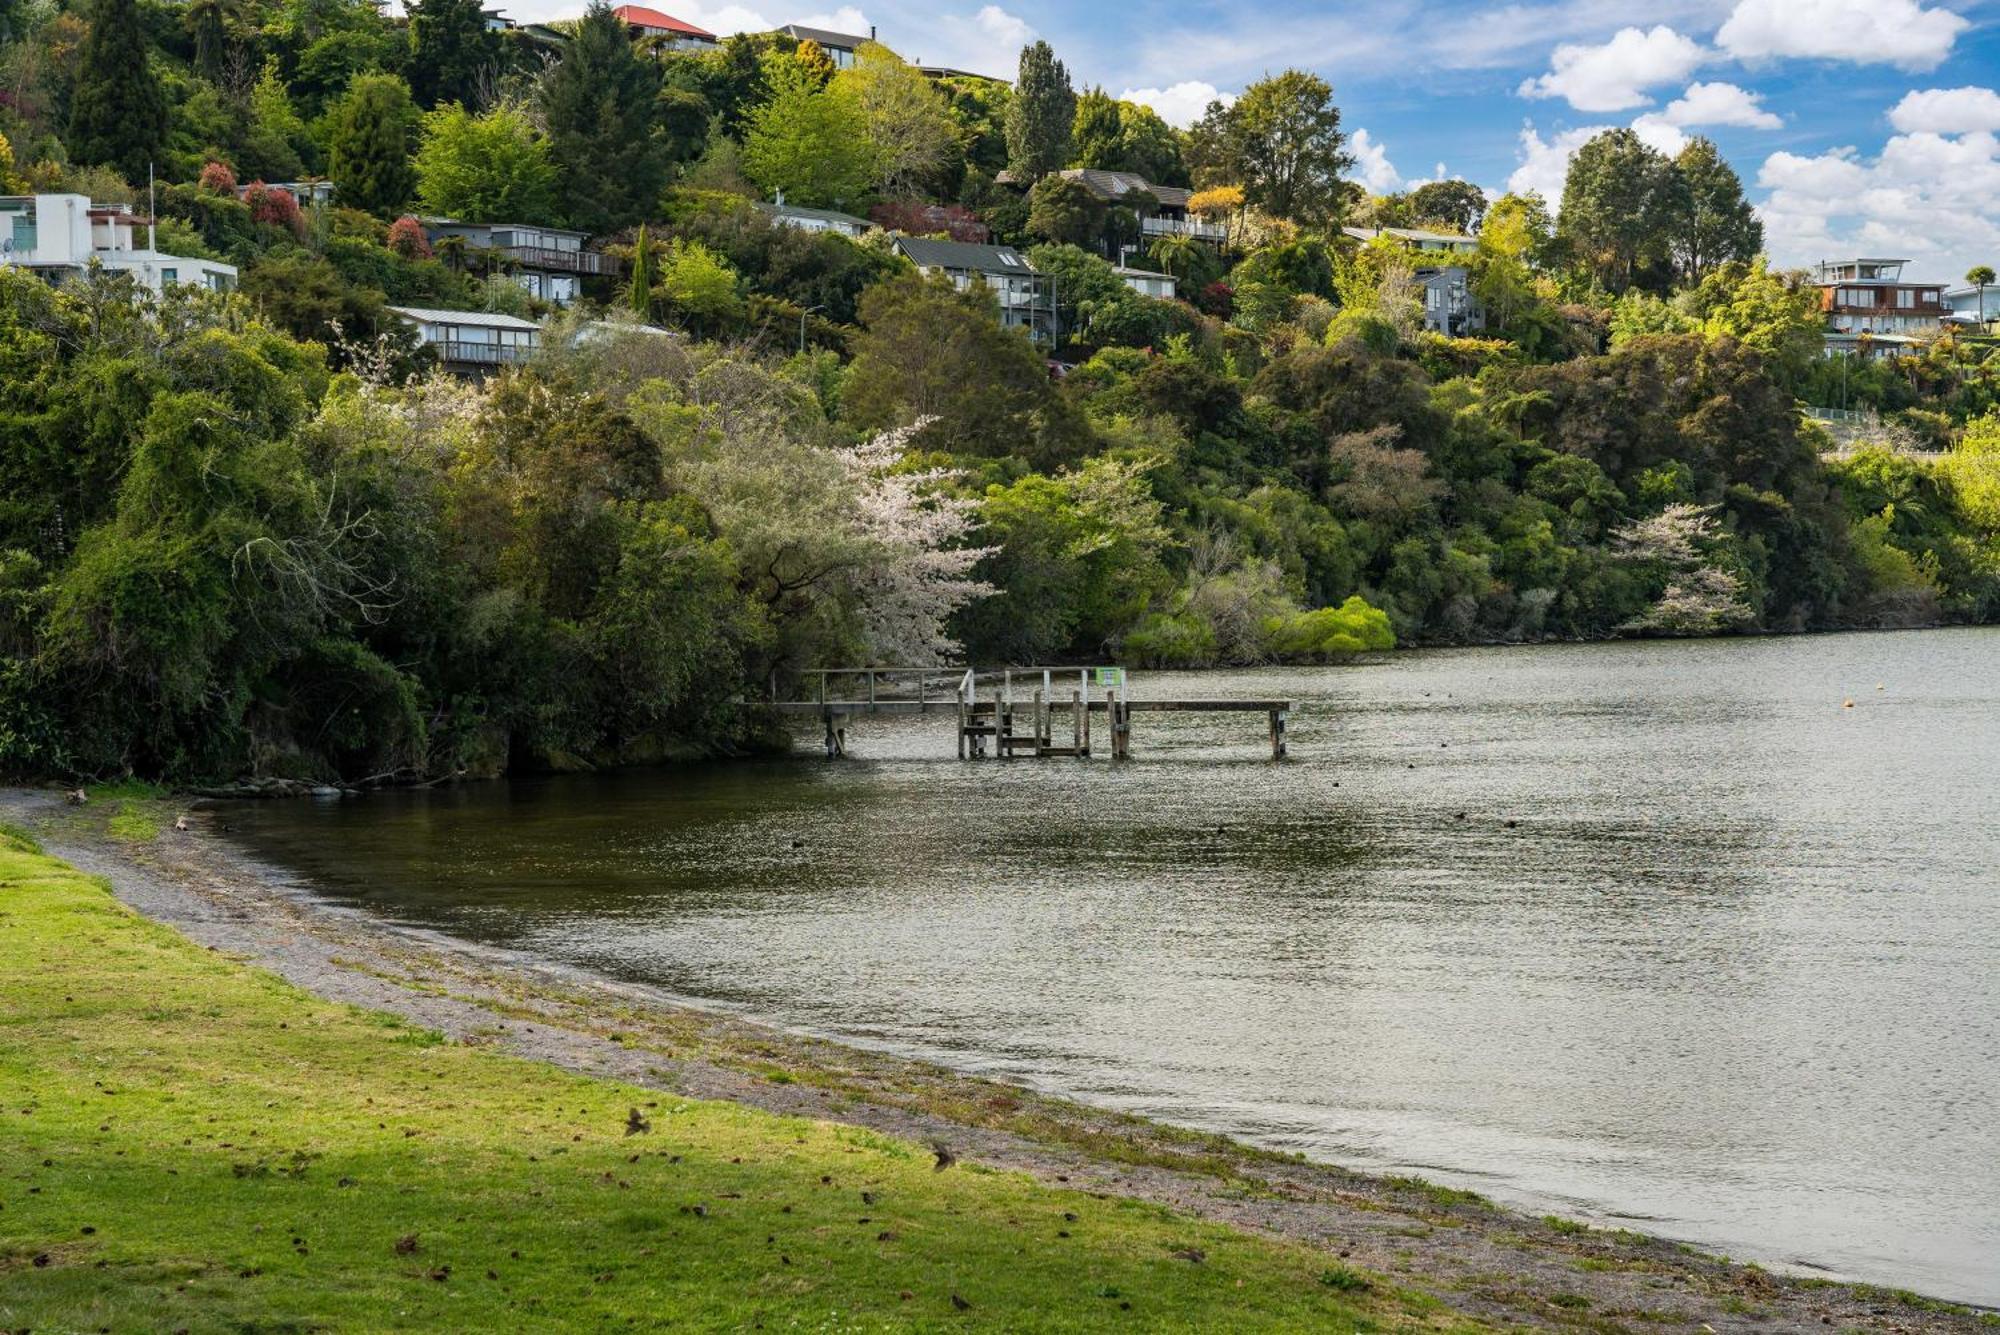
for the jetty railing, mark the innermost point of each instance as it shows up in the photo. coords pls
(1019, 713)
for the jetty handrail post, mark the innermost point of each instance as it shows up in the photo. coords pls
(1077, 715)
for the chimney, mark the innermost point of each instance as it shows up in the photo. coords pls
(871, 32)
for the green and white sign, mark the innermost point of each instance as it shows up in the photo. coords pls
(1111, 676)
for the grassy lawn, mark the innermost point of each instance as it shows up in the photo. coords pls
(187, 1143)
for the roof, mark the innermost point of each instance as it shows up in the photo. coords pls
(1126, 271)
(930, 254)
(641, 17)
(949, 72)
(1114, 186)
(488, 319)
(1412, 234)
(825, 37)
(824, 215)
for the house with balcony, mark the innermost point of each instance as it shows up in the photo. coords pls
(1027, 297)
(1168, 216)
(548, 262)
(677, 34)
(308, 193)
(839, 46)
(472, 343)
(1872, 312)
(1449, 306)
(59, 237)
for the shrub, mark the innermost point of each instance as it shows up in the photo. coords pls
(1177, 639)
(407, 239)
(277, 207)
(217, 179)
(1353, 627)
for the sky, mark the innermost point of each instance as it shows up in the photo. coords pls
(1859, 127)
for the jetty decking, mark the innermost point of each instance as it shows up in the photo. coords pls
(1007, 725)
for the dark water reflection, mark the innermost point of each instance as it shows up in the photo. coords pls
(1733, 971)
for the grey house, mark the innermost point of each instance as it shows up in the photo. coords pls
(839, 46)
(1449, 305)
(1027, 297)
(549, 262)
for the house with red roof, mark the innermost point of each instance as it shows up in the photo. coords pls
(678, 33)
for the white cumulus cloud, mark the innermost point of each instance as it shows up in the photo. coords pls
(1947, 111)
(1614, 75)
(1544, 163)
(847, 19)
(1925, 196)
(1180, 105)
(1372, 167)
(1720, 104)
(986, 42)
(1881, 32)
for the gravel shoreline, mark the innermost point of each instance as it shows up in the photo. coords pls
(1475, 1258)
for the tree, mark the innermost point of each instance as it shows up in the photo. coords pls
(1778, 316)
(908, 122)
(811, 143)
(1701, 596)
(1125, 137)
(929, 351)
(1458, 205)
(1717, 224)
(1981, 276)
(597, 104)
(1040, 117)
(1061, 209)
(640, 295)
(368, 150)
(117, 110)
(699, 286)
(1621, 204)
(490, 168)
(1285, 135)
(452, 52)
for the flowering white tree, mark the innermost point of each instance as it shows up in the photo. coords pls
(914, 569)
(1701, 597)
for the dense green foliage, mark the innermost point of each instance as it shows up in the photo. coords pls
(270, 540)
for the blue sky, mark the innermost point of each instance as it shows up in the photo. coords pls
(1859, 126)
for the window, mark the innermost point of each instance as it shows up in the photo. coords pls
(1008, 260)
(1905, 298)
(169, 276)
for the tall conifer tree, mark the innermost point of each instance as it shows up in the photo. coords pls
(1041, 117)
(118, 111)
(598, 106)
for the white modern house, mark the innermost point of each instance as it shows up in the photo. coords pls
(1973, 307)
(472, 342)
(61, 236)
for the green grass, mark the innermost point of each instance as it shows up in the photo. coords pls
(186, 1142)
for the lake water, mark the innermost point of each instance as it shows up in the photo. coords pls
(1659, 934)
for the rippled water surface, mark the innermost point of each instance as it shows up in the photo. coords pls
(1646, 932)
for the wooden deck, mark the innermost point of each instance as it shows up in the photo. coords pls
(1009, 724)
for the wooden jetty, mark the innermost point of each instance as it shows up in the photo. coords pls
(1005, 724)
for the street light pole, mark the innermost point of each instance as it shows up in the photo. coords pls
(802, 325)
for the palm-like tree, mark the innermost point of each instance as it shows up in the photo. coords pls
(1981, 277)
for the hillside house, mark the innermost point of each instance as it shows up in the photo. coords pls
(60, 236)
(678, 34)
(1448, 303)
(839, 46)
(307, 193)
(1973, 308)
(1871, 312)
(1027, 297)
(548, 262)
(1147, 283)
(472, 343)
(782, 214)
(1168, 217)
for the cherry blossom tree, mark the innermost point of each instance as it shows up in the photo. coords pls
(1701, 596)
